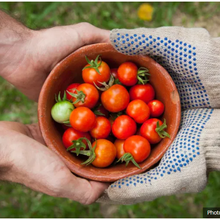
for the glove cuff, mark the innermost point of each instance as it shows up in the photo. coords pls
(212, 155)
(210, 141)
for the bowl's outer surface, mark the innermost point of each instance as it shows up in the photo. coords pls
(68, 71)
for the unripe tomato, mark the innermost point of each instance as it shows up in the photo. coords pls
(156, 108)
(61, 111)
(138, 110)
(116, 98)
(123, 127)
(82, 119)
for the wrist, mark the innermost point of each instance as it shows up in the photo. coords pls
(14, 38)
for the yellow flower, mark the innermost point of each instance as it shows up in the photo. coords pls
(145, 12)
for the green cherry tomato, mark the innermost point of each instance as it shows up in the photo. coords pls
(61, 111)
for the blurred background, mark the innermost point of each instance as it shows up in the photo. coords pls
(19, 201)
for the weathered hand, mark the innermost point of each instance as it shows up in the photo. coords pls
(25, 160)
(27, 63)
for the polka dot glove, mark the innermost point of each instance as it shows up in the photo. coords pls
(192, 58)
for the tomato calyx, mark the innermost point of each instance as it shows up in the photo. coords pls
(95, 64)
(160, 129)
(142, 75)
(127, 157)
(105, 85)
(79, 95)
(90, 153)
(77, 145)
(59, 99)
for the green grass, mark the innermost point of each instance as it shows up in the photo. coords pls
(17, 200)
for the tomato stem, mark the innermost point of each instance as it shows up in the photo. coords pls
(160, 129)
(77, 145)
(59, 99)
(95, 64)
(106, 86)
(90, 153)
(127, 157)
(80, 96)
(142, 75)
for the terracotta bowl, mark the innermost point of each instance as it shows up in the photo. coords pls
(69, 71)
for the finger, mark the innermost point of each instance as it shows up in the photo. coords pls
(82, 190)
(95, 35)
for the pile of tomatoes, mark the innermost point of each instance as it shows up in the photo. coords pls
(112, 115)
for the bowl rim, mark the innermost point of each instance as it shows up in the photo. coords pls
(69, 164)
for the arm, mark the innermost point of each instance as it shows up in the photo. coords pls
(26, 58)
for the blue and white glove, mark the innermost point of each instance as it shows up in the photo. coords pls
(192, 58)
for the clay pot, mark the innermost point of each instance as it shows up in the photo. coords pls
(68, 71)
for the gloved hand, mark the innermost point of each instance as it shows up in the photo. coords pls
(192, 58)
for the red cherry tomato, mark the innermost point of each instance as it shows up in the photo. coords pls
(90, 75)
(123, 127)
(102, 128)
(138, 110)
(105, 152)
(88, 96)
(119, 144)
(82, 119)
(148, 130)
(127, 73)
(156, 108)
(144, 92)
(116, 98)
(71, 135)
(71, 88)
(138, 147)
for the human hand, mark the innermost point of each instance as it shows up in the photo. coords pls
(25, 160)
(29, 60)
(192, 59)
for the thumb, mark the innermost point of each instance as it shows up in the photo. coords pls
(90, 34)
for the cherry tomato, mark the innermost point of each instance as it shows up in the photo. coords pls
(87, 96)
(102, 128)
(156, 108)
(82, 119)
(105, 152)
(71, 88)
(148, 130)
(61, 111)
(127, 73)
(138, 147)
(71, 135)
(144, 92)
(119, 144)
(91, 75)
(116, 98)
(123, 127)
(138, 110)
